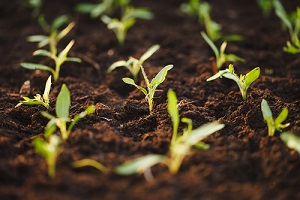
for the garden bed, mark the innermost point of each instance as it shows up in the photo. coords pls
(243, 161)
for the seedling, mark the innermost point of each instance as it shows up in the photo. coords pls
(133, 64)
(293, 26)
(49, 149)
(180, 146)
(151, 86)
(128, 18)
(244, 81)
(54, 34)
(62, 111)
(221, 57)
(273, 124)
(38, 99)
(292, 141)
(58, 59)
(105, 7)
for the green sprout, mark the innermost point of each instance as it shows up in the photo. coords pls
(244, 81)
(38, 99)
(151, 86)
(276, 124)
(133, 64)
(58, 59)
(54, 34)
(221, 57)
(103, 7)
(62, 107)
(50, 150)
(180, 146)
(292, 141)
(128, 18)
(293, 26)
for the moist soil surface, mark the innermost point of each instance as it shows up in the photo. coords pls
(242, 162)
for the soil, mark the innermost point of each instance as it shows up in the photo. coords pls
(242, 162)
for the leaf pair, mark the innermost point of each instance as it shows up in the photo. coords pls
(243, 82)
(276, 124)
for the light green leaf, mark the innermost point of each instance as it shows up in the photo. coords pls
(282, 116)
(211, 44)
(34, 66)
(266, 111)
(252, 76)
(173, 112)
(160, 77)
(117, 64)
(42, 52)
(291, 140)
(59, 21)
(139, 165)
(149, 53)
(90, 162)
(37, 38)
(218, 75)
(131, 82)
(63, 102)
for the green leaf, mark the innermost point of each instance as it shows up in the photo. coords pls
(37, 38)
(59, 21)
(117, 64)
(34, 66)
(42, 52)
(85, 7)
(62, 56)
(149, 53)
(63, 102)
(173, 112)
(41, 146)
(252, 76)
(218, 75)
(139, 165)
(131, 82)
(292, 141)
(266, 111)
(211, 44)
(282, 116)
(160, 77)
(202, 132)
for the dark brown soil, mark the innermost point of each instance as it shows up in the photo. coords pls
(242, 163)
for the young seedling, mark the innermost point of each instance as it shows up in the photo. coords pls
(292, 141)
(244, 81)
(151, 86)
(221, 57)
(54, 34)
(133, 64)
(128, 18)
(58, 59)
(293, 26)
(273, 124)
(62, 111)
(105, 7)
(49, 149)
(181, 144)
(38, 99)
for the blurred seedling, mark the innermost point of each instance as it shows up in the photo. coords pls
(292, 23)
(49, 149)
(266, 6)
(133, 64)
(128, 19)
(62, 112)
(292, 141)
(38, 99)
(273, 124)
(221, 57)
(149, 91)
(180, 146)
(243, 81)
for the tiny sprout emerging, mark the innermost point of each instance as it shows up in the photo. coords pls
(221, 57)
(268, 117)
(38, 99)
(180, 146)
(89, 162)
(50, 150)
(293, 26)
(151, 86)
(291, 141)
(120, 27)
(58, 59)
(62, 111)
(133, 64)
(244, 81)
